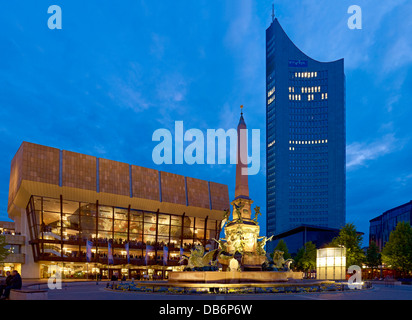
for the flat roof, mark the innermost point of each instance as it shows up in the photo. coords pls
(390, 210)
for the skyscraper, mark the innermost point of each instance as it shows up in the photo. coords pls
(305, 128)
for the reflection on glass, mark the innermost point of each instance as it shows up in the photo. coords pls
(105, 212)
(120, 226)
(136, 215)
(63, 234)
(164, 219)
(120, 214)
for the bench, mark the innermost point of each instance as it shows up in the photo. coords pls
(26, 294)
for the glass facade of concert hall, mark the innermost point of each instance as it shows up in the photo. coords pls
(59, 230)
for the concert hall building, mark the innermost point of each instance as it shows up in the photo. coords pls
(60, 200)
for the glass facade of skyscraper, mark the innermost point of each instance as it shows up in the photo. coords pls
(381, 227)
(305, 137)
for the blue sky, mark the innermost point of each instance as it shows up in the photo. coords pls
(118, 71)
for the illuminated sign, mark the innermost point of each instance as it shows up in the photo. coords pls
(298, 63)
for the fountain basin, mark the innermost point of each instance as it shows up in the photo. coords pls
(234, 276)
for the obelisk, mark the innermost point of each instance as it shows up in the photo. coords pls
(242, 183)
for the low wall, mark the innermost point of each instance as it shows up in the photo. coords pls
(234, 276)
(28, 295)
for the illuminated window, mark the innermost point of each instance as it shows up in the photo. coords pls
(271, 92)
(271, 99)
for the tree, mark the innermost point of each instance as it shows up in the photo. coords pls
(305, 259)
(397, 252)
(281, 246)
(352, 241)
(3, 251)
(373, 257)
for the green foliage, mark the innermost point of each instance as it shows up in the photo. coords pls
(397, 252)
(373, 257)
(305, 259)
(352, 241)
(3, 251)
(281, 246)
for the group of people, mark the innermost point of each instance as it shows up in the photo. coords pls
(13, 281)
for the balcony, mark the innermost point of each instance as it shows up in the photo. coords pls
(15, 258)
(14, 239)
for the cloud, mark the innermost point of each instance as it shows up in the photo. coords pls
(127, 91)
(399, 54)
(172, 88)
(392, 101)
(359, 154)
(157, 48)
(403, 180)
(241, 25)
(326, 36)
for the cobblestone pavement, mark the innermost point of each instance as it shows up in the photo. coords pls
(91, 291)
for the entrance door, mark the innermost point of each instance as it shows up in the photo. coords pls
(136, 274)
(115, 272)
(105, 273)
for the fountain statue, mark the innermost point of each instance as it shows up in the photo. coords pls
(198, 259)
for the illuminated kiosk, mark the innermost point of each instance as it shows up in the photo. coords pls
(241, 253)
(331, 263)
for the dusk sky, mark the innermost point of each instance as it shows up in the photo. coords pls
(119, 70)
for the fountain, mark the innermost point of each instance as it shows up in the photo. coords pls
(239, 265)
(241, 255)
